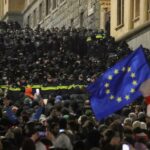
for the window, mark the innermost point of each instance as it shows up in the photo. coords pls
(40, 12)
(148, 8)
(54, 4)
(81, 19)
(79, 2)
(120, 12)
(34, 18)
(72, 22)
(148, 5)
(136, 9)
(48, 6)
(29, 20)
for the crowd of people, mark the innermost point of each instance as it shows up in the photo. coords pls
(54, 56)
(60, 121)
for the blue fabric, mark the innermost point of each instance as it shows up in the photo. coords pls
(11, 116)
(119, 85)
(37, 114)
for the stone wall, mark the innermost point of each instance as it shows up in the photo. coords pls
(141, 38)
(66, 14)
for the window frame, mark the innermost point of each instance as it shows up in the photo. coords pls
(48, 4)
(29, 20)
(136, 10)
(120, 13)
(34, 17)
(53, 9)
(40, 11)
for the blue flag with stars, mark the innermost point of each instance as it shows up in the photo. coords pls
(119, 85)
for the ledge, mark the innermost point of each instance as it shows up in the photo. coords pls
(48, 16)
(119, 26)
(136, 19)
(134, 31)
(54, 10)
(61, 4)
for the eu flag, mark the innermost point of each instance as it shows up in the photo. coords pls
(119, 85)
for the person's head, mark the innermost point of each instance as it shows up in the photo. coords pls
(54, 128)
(141, 116)
(112, 137)
(133, 116)
(137, 109)
(6, 101)
(136, 125)
(54, 112)
(127, 122)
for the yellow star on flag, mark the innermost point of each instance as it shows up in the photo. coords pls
(133, 75)
(111, 97)
(127, 97)
(107, 85)
(110, 77)
(119, 99)
(116, 71)
(123, 69)
(129, 69)
(107, 91)
(134, 82)
(132, 90)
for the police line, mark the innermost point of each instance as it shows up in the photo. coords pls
(45, 88)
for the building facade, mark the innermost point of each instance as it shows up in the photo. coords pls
(130, 21)
(10, 10)
(58, 13)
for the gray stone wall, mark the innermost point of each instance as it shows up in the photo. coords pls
(141, 38)
(64, 13)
